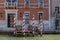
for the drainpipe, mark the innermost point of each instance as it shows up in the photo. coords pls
(49, 15)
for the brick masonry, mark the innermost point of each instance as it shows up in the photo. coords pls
(34, 11)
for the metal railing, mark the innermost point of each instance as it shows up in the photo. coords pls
(11, 4)
(21, 5)
(57, 21)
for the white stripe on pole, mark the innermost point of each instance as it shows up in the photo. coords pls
(14, 20)
(41, 25)
(33, 23)
(33, 20)
(23, 22)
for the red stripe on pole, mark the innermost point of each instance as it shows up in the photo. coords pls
(41, 24)
(33, 23)
(14, 20)
(23, 22)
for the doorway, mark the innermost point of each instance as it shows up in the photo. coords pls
(10, 20)
(40, 16)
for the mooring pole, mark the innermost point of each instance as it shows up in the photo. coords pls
(23, 25)
(41, 25)
(14, 20)
(33, 23)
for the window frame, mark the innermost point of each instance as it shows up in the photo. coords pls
(25, 4)
(40, 3)
(42, 15)
(15, 4)
(27, 19)
(26, 13)
(1, 15)
(57, 8)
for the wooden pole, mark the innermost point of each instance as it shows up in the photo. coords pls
(23, 25)
(33, 23)
(14, 21)
(41, 25)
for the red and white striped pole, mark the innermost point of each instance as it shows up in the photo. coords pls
(23, 25)
(23, 22)
(41, 25)
(14, 23)
(33, 23)
(14, 20)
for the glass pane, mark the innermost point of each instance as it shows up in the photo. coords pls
(57, 9)
(27, 2)
(27, 18)
(14, 0)
(8, 0)
(40, 1)
(27, 15)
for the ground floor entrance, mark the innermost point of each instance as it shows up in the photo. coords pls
(11, 17)
(40, 16)
(11, 20)
(57, 23)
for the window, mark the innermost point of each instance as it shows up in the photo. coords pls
(1, 15)
(57, 9)
(11, 3)
(8, 0)
(26, 18)
(20, 15)
(40, 16)
(11, 0)
(40, 3)
(27, 3)
(14, 0)
(26, 15)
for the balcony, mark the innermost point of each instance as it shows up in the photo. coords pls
(9, 5)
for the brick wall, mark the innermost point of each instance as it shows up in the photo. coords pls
(31, 10)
